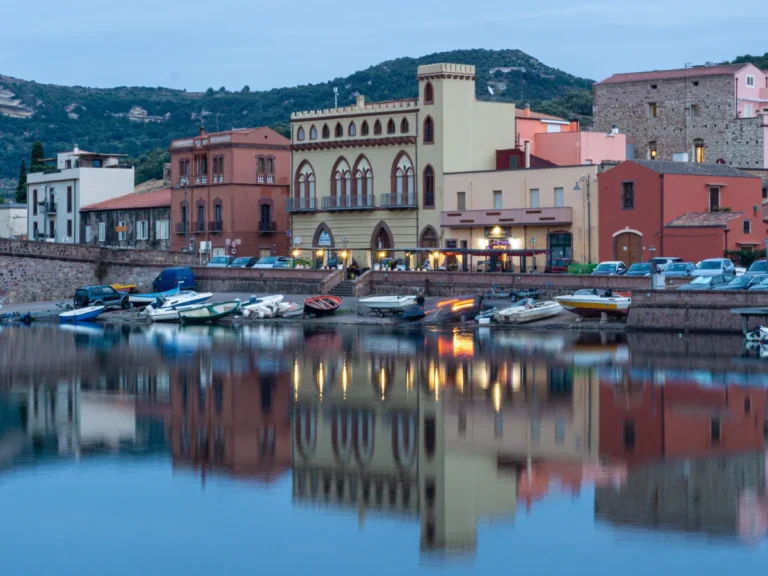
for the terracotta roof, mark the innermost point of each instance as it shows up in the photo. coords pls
(695, 72)
(703, 220)
(520, 113)
(693, 168)
(133, 201)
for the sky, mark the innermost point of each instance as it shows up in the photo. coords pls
(195, 44)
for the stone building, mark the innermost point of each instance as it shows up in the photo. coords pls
(700, 114)
(13, 221)
(132, 221)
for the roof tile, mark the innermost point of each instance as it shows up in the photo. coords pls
(157, 199)
(693, 168)
(703, 220)
(695, 72)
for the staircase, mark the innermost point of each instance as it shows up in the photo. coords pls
(345, 288)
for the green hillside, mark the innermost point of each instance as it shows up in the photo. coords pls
(135, 121)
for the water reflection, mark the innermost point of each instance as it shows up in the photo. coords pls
(449, 431)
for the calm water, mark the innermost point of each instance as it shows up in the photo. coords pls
(234, 451)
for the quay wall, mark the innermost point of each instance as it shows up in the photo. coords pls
(283, 280)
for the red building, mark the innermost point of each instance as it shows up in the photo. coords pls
(231, 187)
(693, 211)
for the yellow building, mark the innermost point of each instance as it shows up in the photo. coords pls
(531, 209)
(369, 177)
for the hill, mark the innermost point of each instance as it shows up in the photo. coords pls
(135, 121)
(759, 61)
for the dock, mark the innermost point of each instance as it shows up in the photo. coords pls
(746, 314)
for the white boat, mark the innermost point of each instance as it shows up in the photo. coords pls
(81, 314)
(388, 302)
(528, 311)
(591, 303)
(187, 299)
(166, 313)
(264, 307)
(289, 310)
(759, 335)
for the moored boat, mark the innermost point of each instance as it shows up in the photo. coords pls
(124, 288)
(413, 313)
(289, 310)
(159, 312)
(264, 307)
(591, 303)
(209, 313)
(388, 302)
(81, 314)
(151, 297)
(322, 305)
(528, 311)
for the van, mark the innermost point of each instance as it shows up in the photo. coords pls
(170, 277)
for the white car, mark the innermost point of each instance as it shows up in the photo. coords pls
(614, 268)
(714, 267)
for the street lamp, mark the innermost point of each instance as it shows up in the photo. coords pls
(186, 214)
(533, 253)
(652, 250)
(586, 180)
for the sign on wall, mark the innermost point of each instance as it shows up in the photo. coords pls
(324, 239)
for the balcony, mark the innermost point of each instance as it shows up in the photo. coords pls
(218, 178)
(562, 216)
(198, 227)
(265, 178)
(363, 202)
(397, 201)
(181, 228)
(201, 179)
(216, 227)
(48, 206)
(301, 204)
(267, 227)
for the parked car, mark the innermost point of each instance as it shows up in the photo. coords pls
(169, 278)
(614, 268)
(761, 286)
(758, 267)
(244, 262)
(284, 262)
(714, 267)
(742, 282)
(663, 261)
(678, 269)
(558, 266)
(266, 262)
(220, 261)
(640, 269)
(707, 282)
(101, 296)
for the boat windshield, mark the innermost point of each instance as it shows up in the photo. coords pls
(702, 280)
(709, 265)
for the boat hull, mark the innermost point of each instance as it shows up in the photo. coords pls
(150, 298)
(522, 315)
(388, 302)
(209, 313)
(81, 314)
(321, 306)
(595, 308)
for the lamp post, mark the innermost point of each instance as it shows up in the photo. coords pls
(186, 215)
(652, 250)
(586, 180)
(533, 253)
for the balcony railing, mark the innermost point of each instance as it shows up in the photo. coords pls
(301, 204)
(184, 181)
(181, 228)
(49, 206)
(265, 178)
(267, 227)
(218, 178)
(361, 202)
(215, 226)
(397, 201)
(201, 179)
(198, 227)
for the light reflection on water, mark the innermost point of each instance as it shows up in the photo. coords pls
(449, 448)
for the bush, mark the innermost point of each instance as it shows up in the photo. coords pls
(743, 257)
(577, 268)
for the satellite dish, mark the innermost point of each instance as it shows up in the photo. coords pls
(490, 90)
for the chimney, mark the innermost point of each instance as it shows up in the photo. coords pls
(360, 101)
(575, 125)
(202, 130)
(527, 110)
(76, 150)
(527, 148)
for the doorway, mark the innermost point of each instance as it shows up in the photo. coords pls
(629, 248)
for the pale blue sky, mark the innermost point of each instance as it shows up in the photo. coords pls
(194, 44)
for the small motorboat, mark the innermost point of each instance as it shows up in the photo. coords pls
(759, 335)
(160, 311)
(388, 303)
(412, 313)
(265, 307)
(289, 310)
(124, 288)
(150, 298)
(208, 313)
(322, 305)
(81, 314)
(591, 303)
(528, 311)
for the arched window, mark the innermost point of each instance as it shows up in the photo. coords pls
(313, 133)
(352, 130)
(698, 150)
(377, 128)
(300, 133)
(341, 184)
(260, 164)
(429, 130)
(364, 128)
(270, 165)
(305, 187)
(326, 131)
(363, 183)
(404, 126)
(391, 126)
(429, 93)
(404, 194)
(339, 131)
(429, 187)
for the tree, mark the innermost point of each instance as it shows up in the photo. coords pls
(209, 92)
(21, 187)
(222, 90)
(38, 155)
(246, 89)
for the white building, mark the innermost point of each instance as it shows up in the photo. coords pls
(81, 178)
(13, 220)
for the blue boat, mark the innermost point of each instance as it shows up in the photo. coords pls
(81, 314)
(150, 298)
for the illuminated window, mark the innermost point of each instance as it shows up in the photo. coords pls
(653, 109)
(698, 148)
(652, 153)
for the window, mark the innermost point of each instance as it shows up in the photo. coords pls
(404, 127)
(628, 195)
(69, 229)
(695, 82)
(377, 128)
(559, 430)
(652, 152)
(653, 109)
(559, 198)
(629, 435)
(654, 86)
(561, 245)
(87, 234)
(429, 93)
(217, 212)
(270, 165)
(162, 230)
(142, 230)
(429, 130)
(121, 234)
(715, 430)
(338, 132)
(300, 133)
(698, 150)
(352, 131)
(68, 164)
(714, 199)
(34, 201)
(429, 187)
(69, 199)
(260, 165)
(765, 193)
(748, 111)
(747, 227)
(391, 126)
(326, 131)
(102, 232)
(497, 199)
(461, 200)
(313, 133)
(364, 128)
(96, 163)
(534, 197)
(200, 214)
(35, 231)
(513, 162)
(750, 81)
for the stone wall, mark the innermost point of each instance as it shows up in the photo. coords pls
(283, 281)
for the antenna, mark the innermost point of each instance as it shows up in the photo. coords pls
(335, 97)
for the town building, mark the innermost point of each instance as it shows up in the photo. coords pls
(692, 211)
(228, 193)
(132, 221)
(492, 211)
(699, 114)
(369, 177)
(13, 221)
(55, 196)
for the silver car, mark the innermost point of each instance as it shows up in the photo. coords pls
(714, 267)
(679, 269)
(220, 261)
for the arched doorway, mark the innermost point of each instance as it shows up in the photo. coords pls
(322, 242)
(428, 239)
(382, 243)
(628, 246)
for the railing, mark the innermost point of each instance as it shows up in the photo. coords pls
(302, 204)
(181, 228)
(201, 179)
(198, 227)
(50, 207)
(397, 201)
(265, 178)
(184, 181)
(267, 227)
(218, 178)
(215, 226)
(359, 202)
(429, 201)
